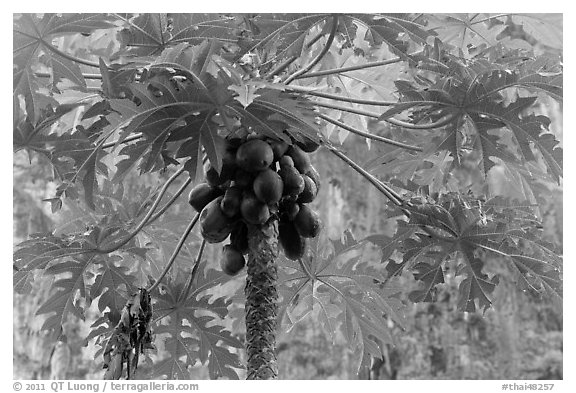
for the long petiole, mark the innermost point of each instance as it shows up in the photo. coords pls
(175, 252)
(146, 218)
(368, 135)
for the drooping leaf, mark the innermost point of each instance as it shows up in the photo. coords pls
(477, 286)
(283, 35)
(390, 30)
(165, 104)
(195, 27)
(459, 228)
(295, 112)
(113, 284)
(39, 251)
(472, 94)
(150, 34)
(465, 31)
(430, 275)
(199, 316)
(542, 73)
(70, 289)
(338, 277)
(86, 162)
(537, 276)
(246, 93)
(388, 245)
(131, 336)
(530, 130)
(545, 28)
(34, 136)
(33, 35)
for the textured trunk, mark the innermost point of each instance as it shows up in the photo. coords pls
(261, 297)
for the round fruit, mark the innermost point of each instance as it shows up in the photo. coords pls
(268, 186)
(201, 195)
(301, 159)
(230, 204)
(279, 149)
(254, 155)
(307, 145)
(307, 222)
(293, 244)
(293, 181)
(286, 161)
(239, 237)
(254, 211)
(314, 175)
(291, 209)
(310, 190)
(232, 260)
(214, 225)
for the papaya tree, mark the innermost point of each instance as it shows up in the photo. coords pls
(127, 114)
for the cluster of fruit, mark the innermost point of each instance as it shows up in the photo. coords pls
(260, 178)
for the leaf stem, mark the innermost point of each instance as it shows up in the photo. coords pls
(125, 140)
(346, 99)
(339, 70)
(85, 76)
(490, 18)
(146, 218)
(194, 271)
(170, 201)
(320, 55)
(283, 65)
(175, 252)
(368, 135)
(384, 189)
(65, 55)
(442, 122)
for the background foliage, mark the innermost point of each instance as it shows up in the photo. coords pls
(472, 138)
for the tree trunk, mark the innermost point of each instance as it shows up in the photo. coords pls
(261, 297)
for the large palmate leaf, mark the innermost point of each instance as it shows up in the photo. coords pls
(529, 132)
(31, 136)
(72, 253)
(344, 293)
(189, 98)
(150, 34)
(459, 228)
(77, 158)
(471, 98)
(283, 35)
(70, 259)
(393, 30)
(465, 31)
(113, 284)
(545, 28)
(38, 252)
(69, 285)
(540, 74)
(33, 37)
(164, 105)
(193, 329)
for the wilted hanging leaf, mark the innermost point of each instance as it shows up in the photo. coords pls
(131, 336)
